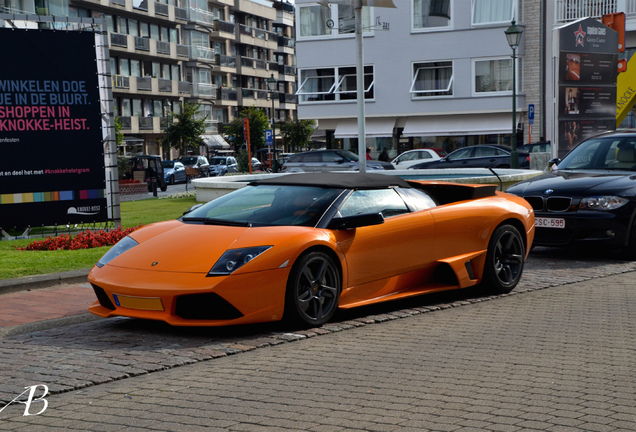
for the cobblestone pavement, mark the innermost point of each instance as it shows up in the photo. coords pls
(557, 354)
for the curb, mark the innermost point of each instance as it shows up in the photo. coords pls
(43, 281)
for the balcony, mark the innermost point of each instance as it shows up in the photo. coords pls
(138, 124)
(226, 94)
(203, 90)
(226, 61)
(571, 10)
(202, 54)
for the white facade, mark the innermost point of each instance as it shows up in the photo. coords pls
(438, 78)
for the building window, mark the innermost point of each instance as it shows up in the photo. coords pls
(432, 79)
(313, 21)
(494, 11)
(333, 84)
(495, 75)
(431, 14)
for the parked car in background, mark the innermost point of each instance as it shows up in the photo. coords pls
(329, 160)
(199, 162)
(300, 246)
(221, 165)
(589, 197)
(174, 172)
(538, 147)
(412, 157)
(477, 156)
(256, 165)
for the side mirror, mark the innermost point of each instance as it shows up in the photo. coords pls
(357, 221)
(338, 160)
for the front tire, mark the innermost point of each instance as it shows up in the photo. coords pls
(313, 289)
(171, 180)
(504, 260)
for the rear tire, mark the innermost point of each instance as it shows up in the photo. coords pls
(504, 260)
(313, 289)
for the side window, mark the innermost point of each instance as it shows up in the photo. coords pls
(312, 157)
(463, 153)
(385, 201)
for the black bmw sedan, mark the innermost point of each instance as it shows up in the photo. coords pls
(589, 196)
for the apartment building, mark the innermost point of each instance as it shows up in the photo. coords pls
(218, 54)
(437, 73)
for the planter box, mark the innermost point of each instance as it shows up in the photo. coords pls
(133, 188)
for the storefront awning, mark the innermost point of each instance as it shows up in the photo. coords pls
(215, 142)
(374, 128)
(453, 125)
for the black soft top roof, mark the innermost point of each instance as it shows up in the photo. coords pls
(353, 180)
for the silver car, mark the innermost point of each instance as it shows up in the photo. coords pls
(329, 160)
(221, 165)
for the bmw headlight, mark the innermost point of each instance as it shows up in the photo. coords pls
(120, 247)
(603, 203)
(234, 259)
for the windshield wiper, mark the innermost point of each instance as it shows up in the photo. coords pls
(212, 221)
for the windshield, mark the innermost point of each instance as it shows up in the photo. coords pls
(168, 164)
(267, 205)
(218, 161)
(189, 160)
(604, 153)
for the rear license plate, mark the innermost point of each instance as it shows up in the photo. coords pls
(544, 222)
(139, 303)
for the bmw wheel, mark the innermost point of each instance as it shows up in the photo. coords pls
(313, 289)
(504, 260)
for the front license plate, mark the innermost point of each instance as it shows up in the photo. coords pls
(543, 222)
(140, 303)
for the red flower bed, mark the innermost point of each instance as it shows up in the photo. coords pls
(128, 181)
(83, 240)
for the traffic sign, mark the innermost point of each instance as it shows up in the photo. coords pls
(269, 137)
(531, 114)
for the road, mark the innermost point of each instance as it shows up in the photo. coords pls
(557, 354)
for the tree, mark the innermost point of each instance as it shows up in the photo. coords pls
(258, 124)
(184, 128)
(297, 132)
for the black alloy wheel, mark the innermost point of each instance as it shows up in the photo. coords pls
(504, 260)
(313, 289)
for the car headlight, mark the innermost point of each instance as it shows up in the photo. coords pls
(603, 203)
(120, 247)
(234, 259)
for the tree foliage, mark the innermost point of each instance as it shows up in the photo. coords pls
(184, 128)
(258, 123)
(297, 133)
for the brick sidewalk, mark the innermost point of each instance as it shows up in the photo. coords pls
(43, 304)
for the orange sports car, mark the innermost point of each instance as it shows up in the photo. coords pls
(300, 246)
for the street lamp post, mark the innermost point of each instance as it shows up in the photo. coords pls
(272, 85)
(513, 34)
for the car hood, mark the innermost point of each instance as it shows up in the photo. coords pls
(176, 246)
(575, 183)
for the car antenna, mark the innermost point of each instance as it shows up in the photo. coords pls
(500, 182)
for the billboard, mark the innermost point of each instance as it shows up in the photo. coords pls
(588, 59)
(51, 143)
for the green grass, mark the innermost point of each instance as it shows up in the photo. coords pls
(15, 263)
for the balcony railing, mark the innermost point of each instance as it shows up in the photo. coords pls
(117, 39)
(163, 47)
(181, 13)
(144, 83)
(120, 81)
(286, 42)
(226, 61)
(183, 51)
(161, 9)
(224, 26)
(204, 90)
(202, 53)
(202, 16)
(571, 10)
(228, 94)
(164, 85)
(145, 123)
(142, 43)
(185, 87)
